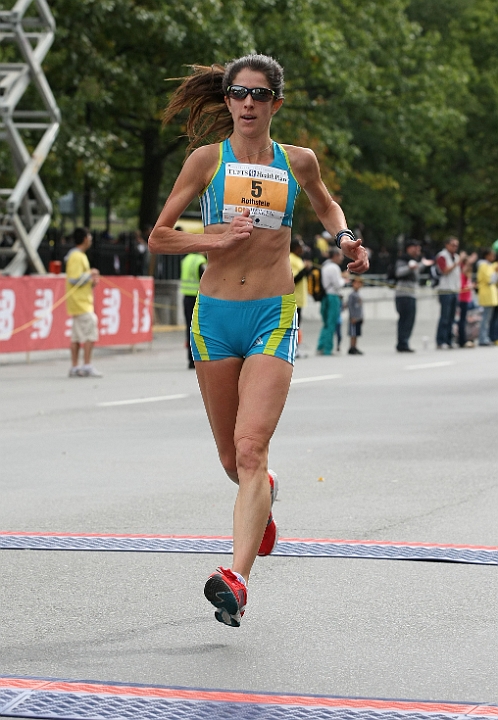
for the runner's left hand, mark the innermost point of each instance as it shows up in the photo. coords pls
(355, 251)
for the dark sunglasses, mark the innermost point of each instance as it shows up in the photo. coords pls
(239, 92)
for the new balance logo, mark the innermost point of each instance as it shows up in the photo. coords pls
(43, 313)
(111, 317)
(7, 307)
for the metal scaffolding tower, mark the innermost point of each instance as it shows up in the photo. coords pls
(25, 209)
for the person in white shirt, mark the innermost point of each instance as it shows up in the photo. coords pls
(448, 262)
(332, 281)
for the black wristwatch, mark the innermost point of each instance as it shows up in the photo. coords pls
(349, 233)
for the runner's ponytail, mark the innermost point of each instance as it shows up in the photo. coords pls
(202, 93)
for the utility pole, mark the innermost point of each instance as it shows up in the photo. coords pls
(26, 209)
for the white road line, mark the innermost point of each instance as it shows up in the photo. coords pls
(316, 378)
(445, 363)
(142, 400)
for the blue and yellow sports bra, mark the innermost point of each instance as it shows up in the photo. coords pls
(268, 191)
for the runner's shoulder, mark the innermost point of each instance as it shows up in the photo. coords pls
(303, 161)
(204, 157)
(202, 163)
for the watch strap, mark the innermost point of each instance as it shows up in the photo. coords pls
(342, 233)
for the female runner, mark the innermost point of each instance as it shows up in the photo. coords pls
(244, 329)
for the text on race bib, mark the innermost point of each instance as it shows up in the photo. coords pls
(259, 188)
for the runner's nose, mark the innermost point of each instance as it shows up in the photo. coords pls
(248, 101)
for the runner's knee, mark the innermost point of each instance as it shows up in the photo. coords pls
(251, 454)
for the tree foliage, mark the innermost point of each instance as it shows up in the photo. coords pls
(397, 97)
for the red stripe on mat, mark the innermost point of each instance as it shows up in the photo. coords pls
(323, 541)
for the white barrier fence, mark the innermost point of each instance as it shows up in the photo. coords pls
(379, 303)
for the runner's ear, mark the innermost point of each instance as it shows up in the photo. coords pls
(227, 103)
(277, 104)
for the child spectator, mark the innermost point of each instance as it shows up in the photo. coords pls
(465, 297)
(355, 307)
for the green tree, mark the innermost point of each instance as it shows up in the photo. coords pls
(369, 89)
(463, 170)
(406, 113)
(397, 98)
(109, 70)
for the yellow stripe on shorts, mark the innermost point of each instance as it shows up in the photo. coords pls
(287, 313)
(196, 332)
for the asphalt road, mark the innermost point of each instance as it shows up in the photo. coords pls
(385, 446)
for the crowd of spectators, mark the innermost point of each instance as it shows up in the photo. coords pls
(466, 285)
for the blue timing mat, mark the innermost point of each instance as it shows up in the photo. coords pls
(286, 547)
(87, 700)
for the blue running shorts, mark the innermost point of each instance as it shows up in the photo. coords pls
(240, 328)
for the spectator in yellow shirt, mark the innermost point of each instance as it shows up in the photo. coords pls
(80, 281)
(300, 271)
(487, 277)
(322, 244)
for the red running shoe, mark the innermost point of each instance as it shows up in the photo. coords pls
(272, 477)
(228, 595)
(270, 538)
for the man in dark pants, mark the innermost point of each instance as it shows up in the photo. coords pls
(407, 272)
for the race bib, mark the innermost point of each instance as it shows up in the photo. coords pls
(258, 188)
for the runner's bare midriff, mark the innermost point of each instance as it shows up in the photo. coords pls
(255, 268)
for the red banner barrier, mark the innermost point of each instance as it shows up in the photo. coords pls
(33, 312)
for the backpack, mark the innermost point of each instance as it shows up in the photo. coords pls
(435, 275)
(315, 287)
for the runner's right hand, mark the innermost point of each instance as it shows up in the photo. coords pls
(240, 228)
